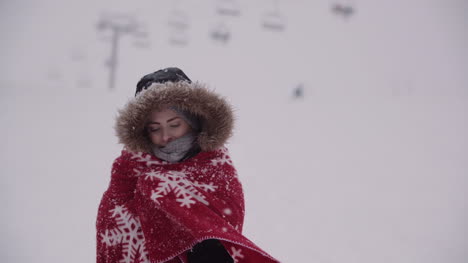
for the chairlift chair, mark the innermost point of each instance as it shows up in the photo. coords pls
(178, 22)
(228, 8)
(343, 10)
(221, 34)
(274, 21)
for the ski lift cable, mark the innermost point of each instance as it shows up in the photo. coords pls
(228, 8)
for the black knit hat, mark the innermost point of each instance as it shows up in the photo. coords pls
(171, 74)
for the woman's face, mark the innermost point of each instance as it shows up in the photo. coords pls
(165, 126)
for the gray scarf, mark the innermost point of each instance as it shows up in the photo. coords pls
(175, 150)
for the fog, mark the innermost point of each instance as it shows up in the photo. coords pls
(350, 137)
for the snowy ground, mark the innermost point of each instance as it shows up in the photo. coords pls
(371, 165)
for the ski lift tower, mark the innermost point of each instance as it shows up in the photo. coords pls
(118, 26)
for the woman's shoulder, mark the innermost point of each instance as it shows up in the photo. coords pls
(132, 163)
(138, 158)
(124, 156)
(214, 156)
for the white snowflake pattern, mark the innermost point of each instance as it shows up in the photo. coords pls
(137, 172)
(206, 187)
(236, 254)
(224, 159)
(129, 233)
(177, 182)
(146, 159)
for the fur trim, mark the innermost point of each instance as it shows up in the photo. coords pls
(215, 113)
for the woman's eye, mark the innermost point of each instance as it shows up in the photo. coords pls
(153, 129)
(175, 125)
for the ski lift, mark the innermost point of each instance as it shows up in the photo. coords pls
(124, 23)
(118, 26)
(228, 8)
(178, 22)
(221, 33)
(274, 21)
(343, 10)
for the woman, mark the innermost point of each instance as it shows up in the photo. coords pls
(174, 195)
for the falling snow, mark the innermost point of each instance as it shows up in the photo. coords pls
(224, 159)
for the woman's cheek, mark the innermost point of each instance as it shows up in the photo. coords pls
(154, 138)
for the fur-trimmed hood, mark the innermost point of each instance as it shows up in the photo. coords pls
(215, 113)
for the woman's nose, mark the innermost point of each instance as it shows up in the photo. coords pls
(167, 137)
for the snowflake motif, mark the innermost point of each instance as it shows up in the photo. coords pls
(146, 159)
(177, 182)
(152, 175)
(206, 187)
(137, 172)
(236, 254)
(129, 233)
(222, 160)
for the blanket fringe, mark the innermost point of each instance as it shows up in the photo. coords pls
(212, 237)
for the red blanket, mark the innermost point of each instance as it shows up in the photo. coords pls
(154, 211)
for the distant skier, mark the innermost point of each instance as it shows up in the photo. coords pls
(298, 92)
(174, 194)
